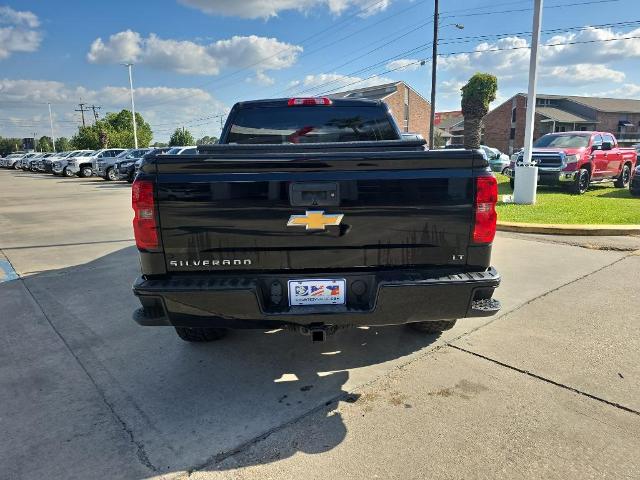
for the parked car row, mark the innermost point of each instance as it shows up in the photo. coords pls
(109, 163)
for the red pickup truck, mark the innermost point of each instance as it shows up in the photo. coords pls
(578, 159)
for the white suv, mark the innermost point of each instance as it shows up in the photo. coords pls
(184, 150)
(59, 165)
(84, 166)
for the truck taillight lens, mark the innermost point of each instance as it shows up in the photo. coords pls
(309, 101)
(484, 228)
(145, 228)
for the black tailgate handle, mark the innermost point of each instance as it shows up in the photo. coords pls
(320, 194)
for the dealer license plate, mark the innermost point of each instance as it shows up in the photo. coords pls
(317, 292)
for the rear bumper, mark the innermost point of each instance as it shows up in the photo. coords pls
(390, 298)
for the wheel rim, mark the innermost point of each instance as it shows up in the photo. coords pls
(86, 172)
(111, 174)
(625, 175)
(584, 181)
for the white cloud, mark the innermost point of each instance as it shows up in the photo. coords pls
(261, 78)
(582, 74)
(450, 88)
(335, 82)
(562, 67)
(186, 57)
(628, 90)
(19, 35)
(10, 16)
(165, 108)
(614, 47)
(271, 8)
(404, 64)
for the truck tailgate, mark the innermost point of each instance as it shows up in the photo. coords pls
(233, 211)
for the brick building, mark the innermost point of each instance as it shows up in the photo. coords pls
(410, 110)
(503, 127)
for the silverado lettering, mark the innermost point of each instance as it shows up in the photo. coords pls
(206, 263)
(314, 214)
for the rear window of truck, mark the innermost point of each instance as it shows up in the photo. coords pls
(310, 124)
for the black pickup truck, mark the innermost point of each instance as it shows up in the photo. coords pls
(313, 214)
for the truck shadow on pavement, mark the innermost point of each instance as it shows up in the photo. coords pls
(191, 406)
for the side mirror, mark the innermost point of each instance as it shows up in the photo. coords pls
(607, 145)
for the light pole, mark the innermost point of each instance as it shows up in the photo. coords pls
(53, 139)
(526, 175)
(434, 67)
(133, 107)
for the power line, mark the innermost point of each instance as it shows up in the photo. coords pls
(460, 40)
(428, 45)
(577, 42)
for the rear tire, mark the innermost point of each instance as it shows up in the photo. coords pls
(624, 177)
(200, 334)
(581, 183)
(433, 327)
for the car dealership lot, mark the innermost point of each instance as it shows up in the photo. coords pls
(548, 389)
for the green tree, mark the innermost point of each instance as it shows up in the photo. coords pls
(63, 144)
(9, 145)
(159, 144)
(207, 140)
(86, 138)
(181, 137)
(45, 144)
(114, 130)
(477, 94)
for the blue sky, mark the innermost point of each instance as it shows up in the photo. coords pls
(195, 58)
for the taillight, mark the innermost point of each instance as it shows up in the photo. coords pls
(484, 228)
(309, 101)
(145, 228)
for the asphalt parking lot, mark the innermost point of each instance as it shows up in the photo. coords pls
(547, 389)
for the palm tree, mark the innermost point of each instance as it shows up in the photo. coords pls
(477, 94)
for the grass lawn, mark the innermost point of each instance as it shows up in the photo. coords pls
(602, 204)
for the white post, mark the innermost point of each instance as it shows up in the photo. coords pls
(53, 138)
(526, 181)
(133, 108)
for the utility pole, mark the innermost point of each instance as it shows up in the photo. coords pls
(434, 66)
(526, 176)
(95, 114)
(53, 138)
(133, 107)
(82, 110)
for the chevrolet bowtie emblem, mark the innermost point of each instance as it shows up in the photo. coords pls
(314, 220)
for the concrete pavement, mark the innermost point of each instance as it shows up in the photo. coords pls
(545, 389)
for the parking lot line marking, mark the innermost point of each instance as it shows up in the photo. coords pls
(7, 273)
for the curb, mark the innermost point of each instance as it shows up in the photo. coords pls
(559, 229)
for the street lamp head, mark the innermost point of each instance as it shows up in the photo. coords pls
(459, 26)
